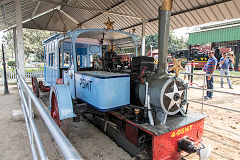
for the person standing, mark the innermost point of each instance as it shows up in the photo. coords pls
(218, 55)
(225, 62)
(209, 68)
(232, 63)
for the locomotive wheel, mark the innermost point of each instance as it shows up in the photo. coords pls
(64, 125)
(41, 85)
(35, 86)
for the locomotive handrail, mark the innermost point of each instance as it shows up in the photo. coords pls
(212, 90)
(66, 148)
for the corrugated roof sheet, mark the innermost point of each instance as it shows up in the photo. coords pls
(220, 33)
(185, 13)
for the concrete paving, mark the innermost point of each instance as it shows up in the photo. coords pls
(85, 137)
(14, 141)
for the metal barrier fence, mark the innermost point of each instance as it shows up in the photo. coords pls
(62, 142)
(212, 90)
(11, 75)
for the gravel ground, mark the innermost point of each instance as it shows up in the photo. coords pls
(91, 142)
(222, 129)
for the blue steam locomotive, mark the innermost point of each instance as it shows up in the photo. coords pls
(144, 110)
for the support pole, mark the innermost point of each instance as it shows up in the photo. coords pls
(192, 69)
(15, 49)
(5, 73)
(237, 55)
(151, 50)
(19, 38)
(143, 37)
(15, 46)
(189, 51)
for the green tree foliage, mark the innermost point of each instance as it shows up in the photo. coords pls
(174, 43)
(11, 63)
(151, 40)
(32, 42)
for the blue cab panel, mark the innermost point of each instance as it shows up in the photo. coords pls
(103, 90)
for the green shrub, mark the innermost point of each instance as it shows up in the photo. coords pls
(11, 63)
(33, 69)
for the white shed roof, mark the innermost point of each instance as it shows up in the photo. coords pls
(60, 15)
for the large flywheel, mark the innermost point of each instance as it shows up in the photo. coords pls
(172, 96)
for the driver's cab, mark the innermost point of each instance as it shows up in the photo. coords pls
(76, 55)
(86, 50)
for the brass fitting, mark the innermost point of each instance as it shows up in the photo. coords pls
(167, 5)
(136, 111)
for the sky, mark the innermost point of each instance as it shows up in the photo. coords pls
(182, 32)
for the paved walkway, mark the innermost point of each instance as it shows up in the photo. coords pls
(14, 141)
(87, 139)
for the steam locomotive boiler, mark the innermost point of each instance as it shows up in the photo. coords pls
(165, 94)
(144, 110)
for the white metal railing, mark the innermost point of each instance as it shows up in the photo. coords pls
(11, 75)
(62, 142)
(212, 90)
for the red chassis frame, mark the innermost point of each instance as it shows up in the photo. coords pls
(44, 88)
(165, 146)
